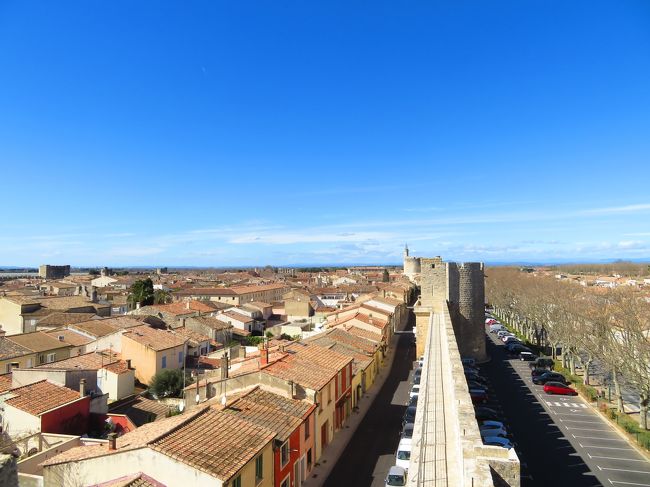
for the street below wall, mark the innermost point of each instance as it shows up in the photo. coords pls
(371, 451)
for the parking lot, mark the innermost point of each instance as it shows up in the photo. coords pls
(560, 440)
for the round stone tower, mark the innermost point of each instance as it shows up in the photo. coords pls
(471, 311)
(411, 264)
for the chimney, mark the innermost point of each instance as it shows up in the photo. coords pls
(82, 388)
(187, 305)
(128, 363)
(264, 356)
(224, 366)
(112, 441)
(2, 333)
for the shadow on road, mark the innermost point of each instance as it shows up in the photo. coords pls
(548, 459)
(379, 431)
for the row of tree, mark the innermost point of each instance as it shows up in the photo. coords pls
(586, 324)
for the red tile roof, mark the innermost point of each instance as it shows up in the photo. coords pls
(153, 338)
(310, 366)
(40, 397)
(272, 411)
(233, 442)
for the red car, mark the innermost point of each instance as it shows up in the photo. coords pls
(559, 388)
(479, 396)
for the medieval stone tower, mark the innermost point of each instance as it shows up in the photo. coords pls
(411, 265)
(460, 288)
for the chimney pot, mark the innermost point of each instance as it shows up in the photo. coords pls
(82, 388)
(112, 441)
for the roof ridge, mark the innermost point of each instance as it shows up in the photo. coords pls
(37, 382)
(190, 418)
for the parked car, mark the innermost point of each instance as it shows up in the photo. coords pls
(396, 477)
(510, 338)
(409, 415)
(516, 347)
(479, 396)
(483, 413)
(407, 430)
(538, 372)
(470, 362)
(403, 455)
(498, 441)
(559, 388)
(413, 401)
(417, 374)
(502, 333)
(420, 361)
(527, 356)
(549, 377)
(470, 370)
(472, 384)
(492, 424)
(490, 321)
(476, 378)
(487, 431)
(415, 391)
(497, 327)
(543, 363)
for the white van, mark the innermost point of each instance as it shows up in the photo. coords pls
(403, 455)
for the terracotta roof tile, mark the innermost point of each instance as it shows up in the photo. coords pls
(87, 361)
(70, 337)
(61, 318)
(40, 397)
(233, 443)
(153, 338)
(37, 341)
(308, 365)
(5, 382)
(272, 411)
(10, 349)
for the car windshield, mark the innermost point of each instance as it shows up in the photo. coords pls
(395, 480)
(403, 455)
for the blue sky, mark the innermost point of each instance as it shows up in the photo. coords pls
(251, 133)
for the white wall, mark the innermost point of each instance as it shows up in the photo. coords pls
(17, 423)
(105, 468)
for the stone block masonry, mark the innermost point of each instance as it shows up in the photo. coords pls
(461, 289)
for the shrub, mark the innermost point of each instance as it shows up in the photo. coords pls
(167, 383)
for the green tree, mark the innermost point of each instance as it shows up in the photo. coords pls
(161, 297)
(141, 292)
(385, 277)
(167, 383)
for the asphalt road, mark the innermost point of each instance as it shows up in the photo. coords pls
(371, 451)
(560, 440)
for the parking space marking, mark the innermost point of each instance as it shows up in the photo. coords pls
(588, 429)
(617, 458)
(605, 447)
(574, 415)
(578, 421)
(627, 483)
(623, 470)
(566, 404)
(596, 438)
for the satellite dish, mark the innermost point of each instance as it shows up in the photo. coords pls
(223, 400)
(181, 407)
(198, 398)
